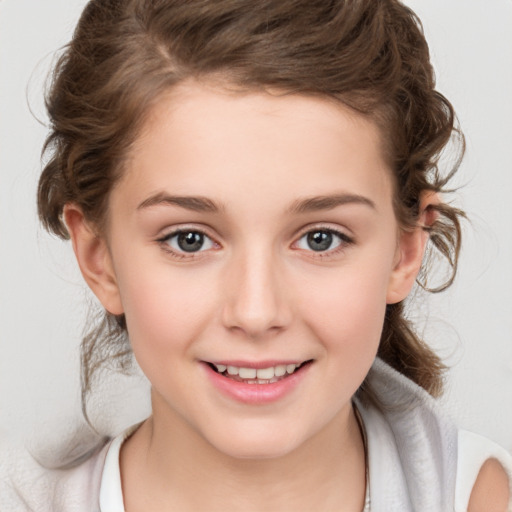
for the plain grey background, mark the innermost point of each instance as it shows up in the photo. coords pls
(43, 302)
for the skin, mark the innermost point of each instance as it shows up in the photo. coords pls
(255, 291)
(491, 490)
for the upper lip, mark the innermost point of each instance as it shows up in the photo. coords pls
(258, 364)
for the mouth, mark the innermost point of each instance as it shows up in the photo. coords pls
(265, 375)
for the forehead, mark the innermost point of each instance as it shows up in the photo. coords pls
(204, 139)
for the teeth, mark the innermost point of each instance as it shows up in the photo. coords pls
(265, 373)
(262, 374)
(280, 370)
(290, 368)
(232, 370)
(247, 373)
(257, 381)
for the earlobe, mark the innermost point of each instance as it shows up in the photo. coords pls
(410, 251)
(94, 259)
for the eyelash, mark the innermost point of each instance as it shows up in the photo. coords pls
(165, 242)
(344, 241)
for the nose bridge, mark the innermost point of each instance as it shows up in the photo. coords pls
(256, 301)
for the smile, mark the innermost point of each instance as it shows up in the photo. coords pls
(257, 383)
(267, 375)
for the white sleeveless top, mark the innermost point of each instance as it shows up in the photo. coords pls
(418, 460)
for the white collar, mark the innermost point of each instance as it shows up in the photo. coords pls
(111, 489)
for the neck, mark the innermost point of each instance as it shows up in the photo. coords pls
(168, 466)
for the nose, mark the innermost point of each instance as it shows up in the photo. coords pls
(256, 298)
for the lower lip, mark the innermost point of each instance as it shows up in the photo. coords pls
(256, 394)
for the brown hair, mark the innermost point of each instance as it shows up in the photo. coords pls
(368, 54)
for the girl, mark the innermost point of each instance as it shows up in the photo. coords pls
(250, 188)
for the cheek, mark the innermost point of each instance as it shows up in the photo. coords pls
(347, 308)
(164, 310)
(348, 322)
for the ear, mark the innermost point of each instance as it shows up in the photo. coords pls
(94, 259)
(410, 250)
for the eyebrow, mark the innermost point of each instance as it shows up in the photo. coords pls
(193, 203)
(317, 203)
(203, 204)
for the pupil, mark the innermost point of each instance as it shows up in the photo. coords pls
(190, 242)
(320, 240)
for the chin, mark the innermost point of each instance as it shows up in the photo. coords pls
(259, 445)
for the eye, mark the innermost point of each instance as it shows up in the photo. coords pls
(322, 240)
(188, 241)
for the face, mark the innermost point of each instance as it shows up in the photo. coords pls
(253, 248)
